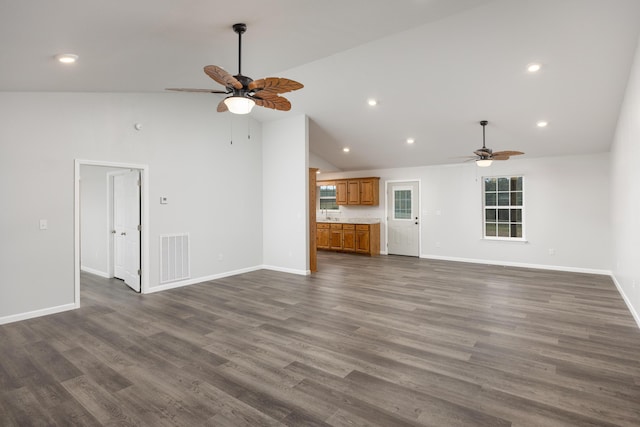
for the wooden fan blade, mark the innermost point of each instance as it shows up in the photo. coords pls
(500, 157)
(270, 87)
(222, 107)
(507, 153)
(195, 90)
(222, 77)
(276, 103)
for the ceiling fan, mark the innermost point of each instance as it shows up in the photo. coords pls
(243, 91)
(485, 156)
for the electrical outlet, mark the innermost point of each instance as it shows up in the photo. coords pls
(44, 224)
(552, 251)
(437, 244)
(220, 257)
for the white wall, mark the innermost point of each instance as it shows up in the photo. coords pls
(324, 166)
(94, 224)
(566, 201)
(285, 190)
(625, 194)
(212, 185)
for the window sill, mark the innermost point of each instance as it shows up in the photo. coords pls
(502, 239)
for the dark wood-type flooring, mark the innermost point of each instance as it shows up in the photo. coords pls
(388, 341)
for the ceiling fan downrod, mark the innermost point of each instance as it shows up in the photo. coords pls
(483, 123)
(240, 30)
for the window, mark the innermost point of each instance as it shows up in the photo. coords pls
(402, 204)
(328, 197)
(503, 200)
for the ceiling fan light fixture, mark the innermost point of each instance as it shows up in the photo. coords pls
(239, 104)
(483, 163)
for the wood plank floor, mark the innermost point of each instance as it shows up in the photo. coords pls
(388, 341)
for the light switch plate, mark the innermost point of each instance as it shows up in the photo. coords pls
(44, 224)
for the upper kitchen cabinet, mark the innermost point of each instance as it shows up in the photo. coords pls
(370, 191)
(341, 193)
(358, 191)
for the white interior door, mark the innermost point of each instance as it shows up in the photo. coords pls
(403, 225)
(126, 228)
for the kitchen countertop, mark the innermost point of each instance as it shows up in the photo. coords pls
(349, 221)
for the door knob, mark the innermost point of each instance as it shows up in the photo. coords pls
(123, 234)
(113, 231)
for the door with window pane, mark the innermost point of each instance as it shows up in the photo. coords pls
(403, 226)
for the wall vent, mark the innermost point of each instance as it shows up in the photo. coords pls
(174, 257)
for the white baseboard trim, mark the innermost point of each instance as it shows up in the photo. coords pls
(627, 301)
(94, 271)
(188, 282)
(287, 270)
(521, 265)
(37, 313)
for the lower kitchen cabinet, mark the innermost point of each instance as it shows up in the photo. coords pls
(349, 237)
(322, 236)
(335, 237)
(359, 238)
(362, 238)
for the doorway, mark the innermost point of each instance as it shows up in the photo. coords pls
(130, 225)
(124, 217)
(403, 222)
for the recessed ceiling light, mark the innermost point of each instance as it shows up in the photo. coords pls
(533, 68)
(346, 149)
(67, 58)
(542, 124)
(410, 140)
(372, 102)
(318, 171)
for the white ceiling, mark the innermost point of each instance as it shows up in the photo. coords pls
(437, 67)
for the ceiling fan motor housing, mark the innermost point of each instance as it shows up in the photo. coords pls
(245, 84)
(240, 28)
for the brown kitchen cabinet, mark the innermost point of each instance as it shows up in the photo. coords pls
(341, 237)
(323, 232)
(358, 191)
(362, 238)
(348, 237)
(341, 192)
(353, 192)
(370, 191)
(335, 237)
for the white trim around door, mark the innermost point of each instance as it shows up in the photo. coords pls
(418, 213)
(144, 217)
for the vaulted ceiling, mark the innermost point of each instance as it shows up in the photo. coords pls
(435, 67)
